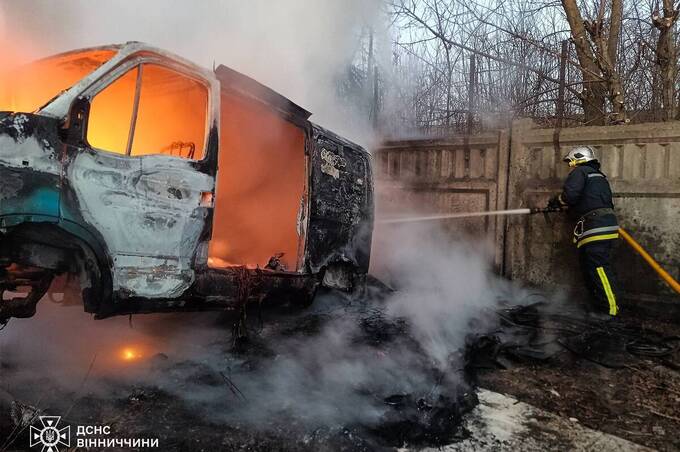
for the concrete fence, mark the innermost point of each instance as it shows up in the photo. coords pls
(522, 167)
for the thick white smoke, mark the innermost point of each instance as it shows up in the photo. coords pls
(330, 365)
(298, 47)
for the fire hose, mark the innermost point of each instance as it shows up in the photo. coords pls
(650, 260)
(625, 235)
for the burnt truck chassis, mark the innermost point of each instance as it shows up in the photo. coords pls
(43, 232)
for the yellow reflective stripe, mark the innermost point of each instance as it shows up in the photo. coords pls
(613, 309)
(595, 238)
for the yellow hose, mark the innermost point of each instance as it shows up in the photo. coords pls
(650, 260)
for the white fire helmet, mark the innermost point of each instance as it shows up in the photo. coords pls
(579, 155)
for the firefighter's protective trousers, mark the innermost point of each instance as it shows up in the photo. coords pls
(594, 260)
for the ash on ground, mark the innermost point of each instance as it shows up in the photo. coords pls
(343, 374)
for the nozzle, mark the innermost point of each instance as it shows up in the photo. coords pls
(546, 209)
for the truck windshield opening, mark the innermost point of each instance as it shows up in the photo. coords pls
(29, 87)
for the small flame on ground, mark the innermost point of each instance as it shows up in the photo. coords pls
(130, 354)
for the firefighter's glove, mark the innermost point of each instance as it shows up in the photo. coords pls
(554, 203)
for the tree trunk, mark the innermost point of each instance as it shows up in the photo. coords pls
(597, 54)
(611, 62)
(593, 101)
(616, 99)
(593, 97)
(666, 57)
(615, 23)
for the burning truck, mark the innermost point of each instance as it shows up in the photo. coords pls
(161, 186)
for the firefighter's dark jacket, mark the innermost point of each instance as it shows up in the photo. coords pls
(589, 197)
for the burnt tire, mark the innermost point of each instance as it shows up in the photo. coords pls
(24, 307)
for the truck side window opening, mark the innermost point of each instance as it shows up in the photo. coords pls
(169, 119)
(111, 114)
(171, 116)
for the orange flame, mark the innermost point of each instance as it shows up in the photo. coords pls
(130, 354)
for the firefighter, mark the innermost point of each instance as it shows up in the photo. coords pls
(588, 196)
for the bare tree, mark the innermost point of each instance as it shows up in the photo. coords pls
(666, 56)
(596, 41)
(621, 65)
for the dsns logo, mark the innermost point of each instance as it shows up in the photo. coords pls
(50, 436)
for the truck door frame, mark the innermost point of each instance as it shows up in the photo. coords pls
(133, 274)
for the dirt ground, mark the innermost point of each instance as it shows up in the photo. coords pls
(294, 384)
(639, 400)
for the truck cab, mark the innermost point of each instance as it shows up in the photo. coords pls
(161, 186)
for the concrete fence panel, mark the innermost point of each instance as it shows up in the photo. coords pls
(460, 174)
(523, 168)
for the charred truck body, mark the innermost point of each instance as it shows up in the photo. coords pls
(161, 186)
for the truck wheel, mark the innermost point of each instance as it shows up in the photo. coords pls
(20, 294)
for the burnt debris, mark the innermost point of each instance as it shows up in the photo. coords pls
(342, 375)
